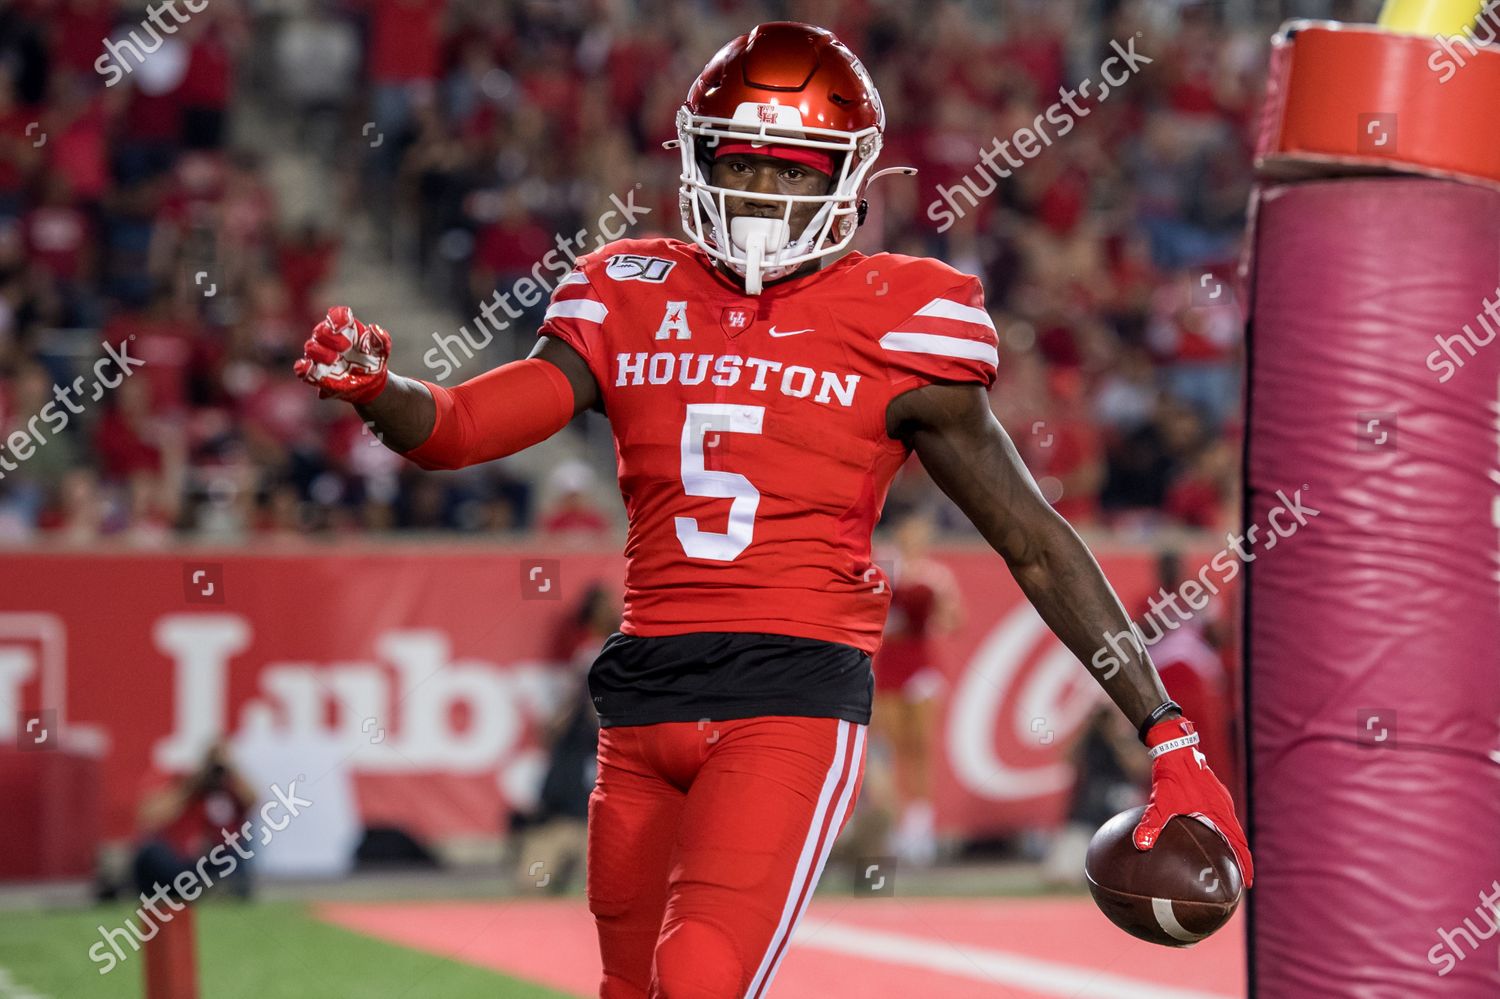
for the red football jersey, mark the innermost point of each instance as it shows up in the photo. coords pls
(750, 430)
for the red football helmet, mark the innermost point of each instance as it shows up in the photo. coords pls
(794, 91)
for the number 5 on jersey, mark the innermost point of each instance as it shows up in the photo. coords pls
(704, 424)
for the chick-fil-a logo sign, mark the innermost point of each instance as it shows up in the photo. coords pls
(1019, 676)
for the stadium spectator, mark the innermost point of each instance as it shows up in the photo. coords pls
(317, 67)
(503, 127)
(304, 261)
(572, 511)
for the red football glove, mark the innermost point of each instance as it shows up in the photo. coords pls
(345, 358)
(1182, 784)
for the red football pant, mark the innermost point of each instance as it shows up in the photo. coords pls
(706, 840)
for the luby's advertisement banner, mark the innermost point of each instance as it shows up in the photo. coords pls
(408, 687)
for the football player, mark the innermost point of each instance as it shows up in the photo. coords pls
(763, 385)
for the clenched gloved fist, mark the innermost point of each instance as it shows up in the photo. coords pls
(346, 359)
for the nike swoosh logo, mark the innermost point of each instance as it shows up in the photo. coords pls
(781, 333)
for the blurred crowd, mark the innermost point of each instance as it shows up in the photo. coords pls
(469, 134)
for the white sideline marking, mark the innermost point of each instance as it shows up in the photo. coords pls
(985, 965)
(9, 989)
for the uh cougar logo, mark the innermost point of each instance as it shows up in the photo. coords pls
(735, 319)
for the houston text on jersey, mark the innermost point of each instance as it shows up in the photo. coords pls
(726, 370)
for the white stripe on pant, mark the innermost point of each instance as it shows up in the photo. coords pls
(845, 769)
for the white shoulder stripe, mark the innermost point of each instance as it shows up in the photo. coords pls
(578, 308)
(942, 308)
(574, 277)
(944, 346)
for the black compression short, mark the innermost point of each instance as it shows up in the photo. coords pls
(722, 675)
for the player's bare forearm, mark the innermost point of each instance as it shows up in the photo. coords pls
(971, 457)
(402, 415)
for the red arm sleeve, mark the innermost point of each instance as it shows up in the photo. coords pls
(498, 413)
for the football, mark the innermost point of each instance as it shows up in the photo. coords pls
(1176, 894)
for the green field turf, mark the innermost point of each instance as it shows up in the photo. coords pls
(258, 951)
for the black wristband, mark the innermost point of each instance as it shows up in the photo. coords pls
(1162, 710)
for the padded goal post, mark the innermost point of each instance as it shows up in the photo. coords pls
(1373, 633)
